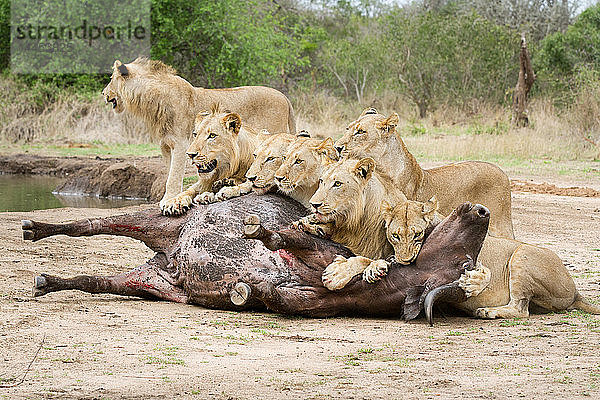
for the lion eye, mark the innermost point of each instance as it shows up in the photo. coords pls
(298, 162)
(419, 235)
(337, 184)
(269, 159)
(396, 236)
(212, 135)
(254, 155)
(194, 133)
(283, 158)
(360, 132)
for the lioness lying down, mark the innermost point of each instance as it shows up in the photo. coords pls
(518, 273)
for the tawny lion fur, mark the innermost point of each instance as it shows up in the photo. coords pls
(168, 104)
(520, 273)
(374, 135)
(221, 150)
(349, 197)
(298, 175)
(260, 177)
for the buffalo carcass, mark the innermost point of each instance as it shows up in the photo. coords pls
(203, 258)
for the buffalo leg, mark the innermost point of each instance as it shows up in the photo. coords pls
(156, 231)
(149, 281)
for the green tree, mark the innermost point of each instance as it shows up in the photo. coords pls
(226, 42)
(435, 58)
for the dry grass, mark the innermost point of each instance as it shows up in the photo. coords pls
(477, 131)
(27, 117)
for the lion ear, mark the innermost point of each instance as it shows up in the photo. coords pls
(430, 206)
(367, 111)
(232, 122)
(327, 152)
(364, 168)
(390, 123)
(119, 66)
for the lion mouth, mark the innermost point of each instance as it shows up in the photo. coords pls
(113, 101)
(261, 189)
(207, 167)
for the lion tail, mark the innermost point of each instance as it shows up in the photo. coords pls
(291, 118)
(582, 304)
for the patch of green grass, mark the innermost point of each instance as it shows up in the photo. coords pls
(189, 181)
(164, 361)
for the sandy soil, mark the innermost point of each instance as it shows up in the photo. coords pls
(105, 346)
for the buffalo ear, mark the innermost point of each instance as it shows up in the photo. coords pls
(122, 68)
(367, 111)
(364, 168)
(232, 123)
(430, 206)
(327, 152)
(390, 123)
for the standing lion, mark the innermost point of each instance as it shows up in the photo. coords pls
(168, 104)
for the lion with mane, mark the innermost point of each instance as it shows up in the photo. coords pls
(168, 105)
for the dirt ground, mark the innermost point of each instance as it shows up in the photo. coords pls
(106, 346)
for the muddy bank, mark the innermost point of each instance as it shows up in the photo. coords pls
(144, 177)
(134, 177)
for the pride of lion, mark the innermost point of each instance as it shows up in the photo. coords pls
(366, 191)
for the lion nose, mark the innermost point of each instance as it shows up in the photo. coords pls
(279, 178)
(252, 178)
(339, 149)
(191, 155)
(316, 205)
(482, 211)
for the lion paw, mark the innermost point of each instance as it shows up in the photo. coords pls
(205, 198)
(475, 281)
(337, 274)
(228, 192)
(177, 205)
(375, 271)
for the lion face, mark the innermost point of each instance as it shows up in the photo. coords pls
(214, 148)
(406, 224)
(302, 163)
(341, 187)
(365, 133)
(111, 92)
(268, 157)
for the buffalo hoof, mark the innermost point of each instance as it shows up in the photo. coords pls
(40, 286)
(252, 227)
(28, 226)
(240, 294)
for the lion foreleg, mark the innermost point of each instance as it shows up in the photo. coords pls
(342, 270)
(175, 160)
(310, 224)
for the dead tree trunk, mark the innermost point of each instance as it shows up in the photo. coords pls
(524, 84)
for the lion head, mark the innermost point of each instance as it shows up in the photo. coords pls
(407, 224)
(340, 193)
(218, 145)
(367, 132)
(302, 164)
(120, 90)
(268, 157)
